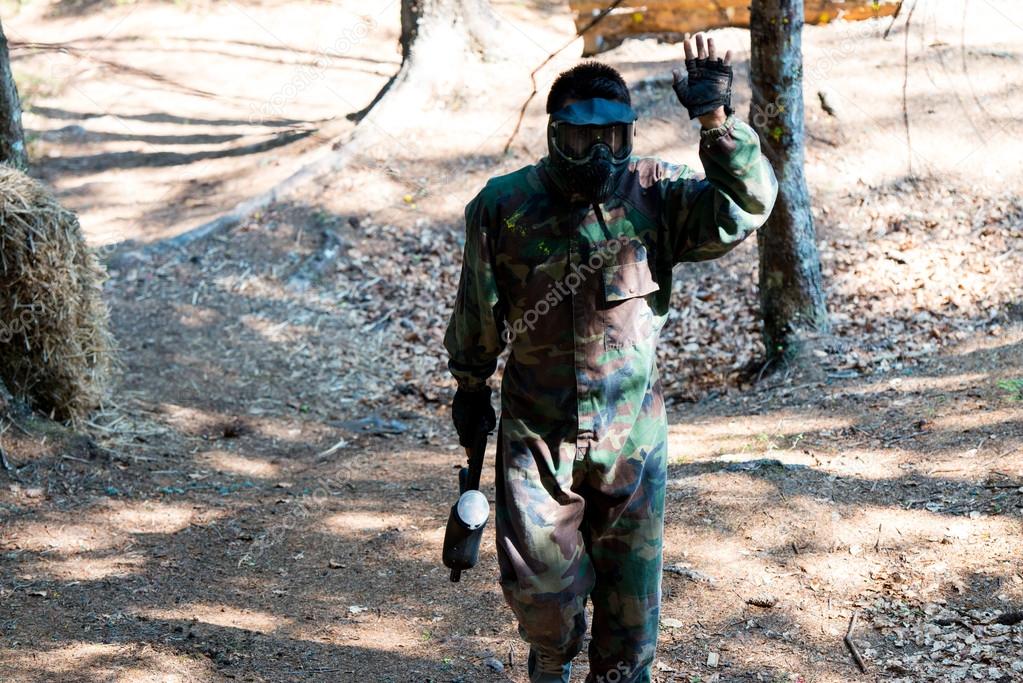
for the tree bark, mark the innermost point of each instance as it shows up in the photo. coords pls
(411, 10)
(791, 292)
(474, 22)
(475, 18)
(12, 137)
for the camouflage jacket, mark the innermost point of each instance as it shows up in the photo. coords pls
(579, 296)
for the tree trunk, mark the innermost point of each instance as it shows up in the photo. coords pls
(791, 293)
(12, 137)
(411, 10)
(475, 18)
(439, 38)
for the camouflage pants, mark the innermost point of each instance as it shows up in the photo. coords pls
(573, 525)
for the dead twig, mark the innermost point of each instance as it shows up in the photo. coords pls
(849, 643)
(532, 77)
(14, 423)
(763, 369)
(898, 8)
(988, 116)
(905, 84)
(7, 463)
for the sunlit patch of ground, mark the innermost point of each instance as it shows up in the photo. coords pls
(62, 537)
(777, 434)
(96, 662)
(349, 523)
(149, 517)
(239, 464)
(84, 568)
(221, 424)
(220, 615)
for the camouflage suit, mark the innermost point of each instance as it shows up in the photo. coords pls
(580, 295)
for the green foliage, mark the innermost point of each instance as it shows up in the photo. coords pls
(1013, 388)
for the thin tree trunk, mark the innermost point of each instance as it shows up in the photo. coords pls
(12, 137)
(791, 293)
(411, 10)
(476, 19)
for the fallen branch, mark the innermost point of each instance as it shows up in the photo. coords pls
(8, 466)
(849, 643)
(333, 449)
(316, 266)
(898, 9)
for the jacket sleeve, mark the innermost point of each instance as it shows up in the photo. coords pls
(706, 218)
(473, 339)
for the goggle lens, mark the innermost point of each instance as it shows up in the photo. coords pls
(575, 142)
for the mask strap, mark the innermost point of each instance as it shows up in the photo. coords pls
(601, 221)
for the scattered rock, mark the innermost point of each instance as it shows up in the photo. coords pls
(762, 463)
(1010, 618)
(765, 600)
(688, 572)
(375, 425)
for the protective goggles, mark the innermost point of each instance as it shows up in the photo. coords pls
(577, 142)
(579, 127)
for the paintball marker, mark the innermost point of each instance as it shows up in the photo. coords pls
(469, 515)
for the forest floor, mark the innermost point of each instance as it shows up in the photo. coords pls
(263, 498)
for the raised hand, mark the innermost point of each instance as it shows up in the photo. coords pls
(705, 89)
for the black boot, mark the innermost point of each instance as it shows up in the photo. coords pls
(544, 668)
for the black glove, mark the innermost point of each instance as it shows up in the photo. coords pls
(706, 85)
(472, 413)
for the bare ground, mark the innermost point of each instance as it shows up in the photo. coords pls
(263, 499)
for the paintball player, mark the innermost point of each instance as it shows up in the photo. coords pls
(568, 263)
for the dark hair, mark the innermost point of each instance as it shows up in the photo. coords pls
(587, 81)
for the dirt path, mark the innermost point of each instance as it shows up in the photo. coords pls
(239, 524)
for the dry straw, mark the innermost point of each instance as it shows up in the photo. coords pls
(55, 347)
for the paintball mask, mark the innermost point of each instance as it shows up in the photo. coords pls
(590, 143)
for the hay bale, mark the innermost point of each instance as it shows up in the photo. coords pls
(55, 347)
